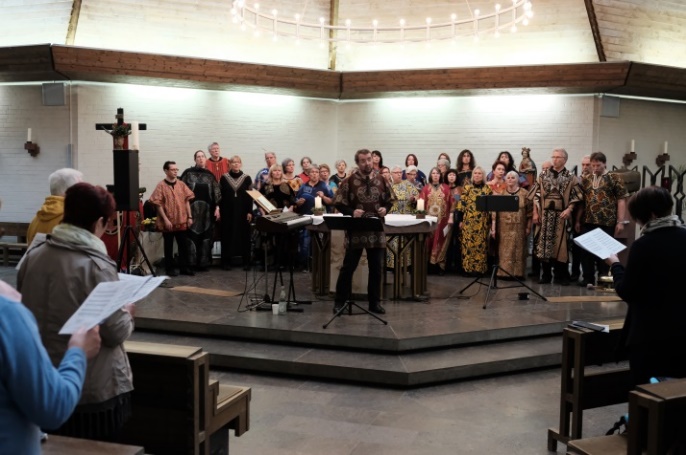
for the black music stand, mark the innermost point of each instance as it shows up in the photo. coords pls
(350, 224)
(282, 242)
(497, 204)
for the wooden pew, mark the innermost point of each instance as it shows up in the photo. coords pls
(11, 249)
(579, 389)
(176, 408)
(60, 445)
(657, 420)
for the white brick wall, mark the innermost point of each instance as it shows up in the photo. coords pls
(23, 178)
(181, 121)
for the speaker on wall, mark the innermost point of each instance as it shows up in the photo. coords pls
(610, 107)
(53, 94)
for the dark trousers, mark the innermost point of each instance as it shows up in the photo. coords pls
(578, 254)
(181, 244)
(590, 260)
(344, 285)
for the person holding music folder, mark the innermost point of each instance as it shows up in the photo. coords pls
(652, 286)
(364, 193)
(55, 279)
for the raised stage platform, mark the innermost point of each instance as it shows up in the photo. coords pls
(446, 338)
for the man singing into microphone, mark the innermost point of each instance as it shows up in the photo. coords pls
(364, 193)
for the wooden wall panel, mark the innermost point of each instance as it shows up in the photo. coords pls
(113, 66)
(27, 63)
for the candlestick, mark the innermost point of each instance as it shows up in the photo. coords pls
(420, 204)
(28, 136)
(632, 146)
(665, 149)
(317, 202)
(133, 143)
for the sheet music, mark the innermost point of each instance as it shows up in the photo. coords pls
(599, 243)
(37, 239)
(109, 297)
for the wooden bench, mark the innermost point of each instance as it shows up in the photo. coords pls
(579, 389)
(177, 409)
(13, 250)
(60, 445)
(657, 420)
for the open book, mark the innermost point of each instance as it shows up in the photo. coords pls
(599, 243)
(109, 297)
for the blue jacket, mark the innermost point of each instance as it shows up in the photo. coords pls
(33, 393)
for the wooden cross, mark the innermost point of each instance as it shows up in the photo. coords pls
(120, 121)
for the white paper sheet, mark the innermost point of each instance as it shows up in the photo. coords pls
(109, 297)
(599, 243)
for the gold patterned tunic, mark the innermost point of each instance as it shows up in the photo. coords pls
(475, 228)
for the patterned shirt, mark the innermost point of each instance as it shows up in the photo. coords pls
(601, 193)
(368, 193)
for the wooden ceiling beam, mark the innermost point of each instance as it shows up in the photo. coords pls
(595, 29)
(50, 63)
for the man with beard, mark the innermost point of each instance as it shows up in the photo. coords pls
(556, 193)
(364, 193)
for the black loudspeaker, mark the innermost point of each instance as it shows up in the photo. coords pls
(126, 185)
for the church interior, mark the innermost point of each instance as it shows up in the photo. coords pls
(461, 366)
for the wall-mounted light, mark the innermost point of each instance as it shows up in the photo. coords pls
(30, 147)
(663, 157)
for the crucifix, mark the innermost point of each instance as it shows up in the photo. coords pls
(119, 141)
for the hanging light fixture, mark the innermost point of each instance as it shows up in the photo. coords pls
(519, 12)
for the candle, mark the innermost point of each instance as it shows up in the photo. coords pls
(632, 146)
(317, 202)
(28, 138)
(420, 205)
(133, 143)
(666, 144)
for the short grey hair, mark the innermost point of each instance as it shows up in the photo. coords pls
(396, 167)
(62, 179)
(212, 145)
(513, 173)
(443, 162)
(339, 162)
(410, 168)
(563, 151)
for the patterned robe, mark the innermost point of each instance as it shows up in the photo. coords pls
(172, 198)
(403, 191)
(512, 238)
(554, 192)
(438, 203)
(475, 228)
(207, 196)
(219, 167)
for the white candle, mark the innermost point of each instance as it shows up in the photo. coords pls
(28, 136)
(133, 143)
(666, 144)
(632, 146)
(317, 202)
(420, 204)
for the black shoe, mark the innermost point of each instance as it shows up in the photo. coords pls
(562, 282)
(574, 278)
(188, 272)
(337, 307)
(172, 272)
(376, 308)
(545, 280)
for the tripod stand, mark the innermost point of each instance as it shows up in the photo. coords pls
(130, 231)
(497, 204)
(352, 225)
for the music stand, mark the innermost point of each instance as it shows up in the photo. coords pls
(496, 203)
(350, 224)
